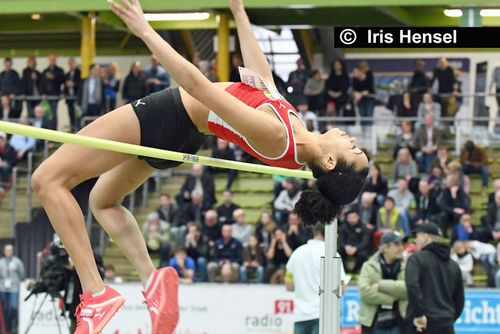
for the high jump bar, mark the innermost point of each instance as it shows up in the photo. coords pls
(110, 145)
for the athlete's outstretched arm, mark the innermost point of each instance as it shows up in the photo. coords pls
(240, 116)
(252, 54)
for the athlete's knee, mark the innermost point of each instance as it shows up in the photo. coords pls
(99, 201)
(42, 180)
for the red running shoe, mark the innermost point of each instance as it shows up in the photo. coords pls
(93, 313)
(161, 299)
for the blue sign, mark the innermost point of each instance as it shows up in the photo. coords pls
(481, 311)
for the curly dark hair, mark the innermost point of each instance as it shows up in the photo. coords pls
(336, 188)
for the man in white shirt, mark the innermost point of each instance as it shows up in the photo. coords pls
(303, 277)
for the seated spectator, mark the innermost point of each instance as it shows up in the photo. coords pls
(184, 265)
(8, 157)
(193, 211)
(277, 256)
(224, 151)
(454, 202)
(496, 187)
(226, 210)
(314, 88)
(285, 203)
(203, 182)
(22, 144)
(306, 115)
(404, 167)
(264, 228)
(156, 232)
(427, 208)
(442, 159)
(376, 184)
(403, 199)
(428, 107)
(485, 253)
(167, 210)
(464, 260)
(252, 269)
(474, 160)
(7, 109)
(367, 211)
(405, 140)
(465, 230)
(436, 179)
(41, 120)
(211, 228)
(228, 256)
(455, 173)
(110, 276)
(241, 230)
(196, 246)
(491, 221)
(388, 218)
(428, 139)
(354, 241)
(406, 107)
(296, 234)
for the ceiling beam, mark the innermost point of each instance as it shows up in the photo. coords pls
(397, 13)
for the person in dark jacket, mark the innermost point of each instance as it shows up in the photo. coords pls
(354, 240)
(376, 183)
(30, 84)
(196, 245)
(8, 158)
(51, 83)
(427, 209)
(10, 84)
(225, 210)
(225, 152)
(134, 87)
(200, 178)
(71, 90)
(434, 284)
(337, 86)
(454, 202)
(228, 256)
(491, 221)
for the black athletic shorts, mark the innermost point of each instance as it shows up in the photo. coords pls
(165, 124)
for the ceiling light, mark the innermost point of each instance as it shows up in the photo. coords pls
(453, 12)
(489, 12)
(301, 6)
(36, 17)
(177, 16)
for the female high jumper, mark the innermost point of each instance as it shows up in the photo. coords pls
(251, 114)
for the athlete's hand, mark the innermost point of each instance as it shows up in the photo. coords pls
(236, 6)
(130, 11)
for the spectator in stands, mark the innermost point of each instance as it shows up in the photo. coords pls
(253, 262)
(445, 77)
(228, 256)
(485, 253)
(406, 108)
(403, 199)
(110, 276)
(111, 82)
(496, 187)
(491, 221)
(30, 83)
(226, 210)
(211, 228)
(10, 84)
(434, 285)
(427, 209)
(7, 110)
(285, 203)
(306, 115)
(454, 202)
(313, 90)
(428, 139)
(167, 210)
(224, 151)
(71, 91)
(405, 140)
(474, 160)
(419, 81)
(156, 232)
(134, 87)
(354, 241)
(296, 234)
(367, 210)
(404, 167)
(428, 107)
(241, 230)
(497, 275)
(297, 80)
(193, 211)
(51, 84)
(389, 218)
(264, 228)
(337, 87)
(436, 178)
(41, 121)
(464, 260)
(184, 265)
(8, 157)
(236, 63)
(465, 230)
(382, 288)
(303, 275)
(11, 275)
(201, 181)
(196, 245)
(277, 255)
(91, 97)
(363, 88)
(22, 144)
(376, 184)
(156, 77)
(442, 159)
(455, 173)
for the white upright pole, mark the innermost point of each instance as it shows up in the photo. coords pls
(330, 287)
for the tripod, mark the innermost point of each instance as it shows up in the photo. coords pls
(36, 310)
